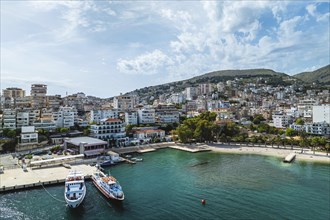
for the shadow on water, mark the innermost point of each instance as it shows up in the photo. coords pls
(200, 164)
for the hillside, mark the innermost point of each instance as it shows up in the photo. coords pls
(320, 76)
(213, 77)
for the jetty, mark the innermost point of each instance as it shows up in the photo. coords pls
(18, 179)
(192, 149)
(289, 158)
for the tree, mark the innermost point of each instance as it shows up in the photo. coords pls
(184, 133)
(314, 143)
(290, 132)
(11, 134)
(257, 119)
(300, 121)
(327, 148)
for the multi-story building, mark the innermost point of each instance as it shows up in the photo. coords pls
(97, 115)
(45, 124)
(191, 93)
(176, 98)
(125, 102)
(306, 106)
(206, 88)
(167, 114)
(13, 93)
(131, 118)
(146, 116)
(34, 115)
(318, 128)
(22, 119)
(110, 129)
(29, 135)
(38, 95)
(190, 106)
(321, 113)
(54, 102)
(280, 120)
(9, 118)
(149, 134)
(23, 102)
(66, 117)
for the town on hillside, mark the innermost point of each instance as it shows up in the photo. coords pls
(237, 110)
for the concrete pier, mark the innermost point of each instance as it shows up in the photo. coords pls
(18, 179)
(289, 158)
(192, 149)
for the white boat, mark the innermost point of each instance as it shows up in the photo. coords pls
(75, 189)
(108, 185)
(136, 159)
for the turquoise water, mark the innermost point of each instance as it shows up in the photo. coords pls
(170, 184)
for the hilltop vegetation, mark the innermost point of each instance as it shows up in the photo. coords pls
(320, 76)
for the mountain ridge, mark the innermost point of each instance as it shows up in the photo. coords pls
(224, 75)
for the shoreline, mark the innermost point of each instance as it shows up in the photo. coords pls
(318, 157)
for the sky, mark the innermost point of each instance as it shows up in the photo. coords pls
(104, 48)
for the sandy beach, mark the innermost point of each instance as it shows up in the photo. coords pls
(269, 151)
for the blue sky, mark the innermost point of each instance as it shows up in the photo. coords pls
(104, 48)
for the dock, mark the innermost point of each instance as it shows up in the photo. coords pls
(146, 150)
(18, 179)
(289, 158)
(192, 149)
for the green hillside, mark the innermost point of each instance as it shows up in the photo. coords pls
(213, 77)
(320, 76)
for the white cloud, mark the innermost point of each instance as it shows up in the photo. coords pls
(159, 40)
(145, 64)
(182, 19)
(312, 10)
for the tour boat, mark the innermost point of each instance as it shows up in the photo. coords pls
(75, 189)
(108, 186)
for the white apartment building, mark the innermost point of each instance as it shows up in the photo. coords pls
(29, 135)
(66, 117)
(318, 128)
(147, 116)
(280, 120)
(176, 98)
(191, 93)
(131, 118)
(305, 106)
(9, 118)
(110, 129)
(48, 125)
(297, 127)
(22, 119)
(148, 134)
(98, 114)
(321, 113)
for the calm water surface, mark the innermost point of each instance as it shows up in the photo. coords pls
(170, 184)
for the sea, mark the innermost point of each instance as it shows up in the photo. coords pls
(170, 184)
